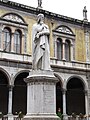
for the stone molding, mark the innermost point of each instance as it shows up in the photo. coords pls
(41, 76)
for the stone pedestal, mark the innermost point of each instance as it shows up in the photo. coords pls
(10, 117)
(41, 96)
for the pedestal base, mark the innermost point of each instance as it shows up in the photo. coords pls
(41, 101)
(10, 117)
(41, 117)
(65, 117)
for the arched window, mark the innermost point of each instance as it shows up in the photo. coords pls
(67, 50)
(17, 41)
(7, 40)
(59, 48)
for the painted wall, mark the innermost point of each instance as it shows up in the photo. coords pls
(80, 52)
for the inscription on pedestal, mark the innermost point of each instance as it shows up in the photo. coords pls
(49, 98)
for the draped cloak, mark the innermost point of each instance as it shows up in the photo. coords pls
(40, 48)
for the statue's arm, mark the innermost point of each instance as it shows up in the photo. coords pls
(45, 31)
(35, 33)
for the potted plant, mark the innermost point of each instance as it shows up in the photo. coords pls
(74, 115)
(1, 115)
(81, 116)
(20, 115)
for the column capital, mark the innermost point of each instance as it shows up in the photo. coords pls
(63, 41)
(71, 44)
(12, 33)
(86, 92)
(64, 90)
(23, 34)
(10, 87)
(12, 41)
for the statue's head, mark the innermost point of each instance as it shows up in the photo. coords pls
(40, 18)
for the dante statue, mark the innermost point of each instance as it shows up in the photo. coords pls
(40, 45)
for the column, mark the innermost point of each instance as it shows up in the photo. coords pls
(22, 45)
(71, 55)
(2, 40)
(10, 100)
(55, 46)
(1, 27)
(12, 43)
(65, 117)
(86, 102)
(63, 49)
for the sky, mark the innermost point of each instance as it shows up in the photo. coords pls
(70, 8)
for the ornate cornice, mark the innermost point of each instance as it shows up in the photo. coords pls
(48, 14)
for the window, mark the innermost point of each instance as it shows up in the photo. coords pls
(64, 46)
(7, 40)
(67, 50)
(17, 41)
(59, 48)
(11, 37)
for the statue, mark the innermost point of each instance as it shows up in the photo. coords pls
(85, 13)
(40, 45)
(40, 3)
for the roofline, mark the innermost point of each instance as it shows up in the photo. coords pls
(48, 14)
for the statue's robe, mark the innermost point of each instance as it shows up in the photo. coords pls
(40, 48)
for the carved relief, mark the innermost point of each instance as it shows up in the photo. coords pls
(13, 17)
(64, 29)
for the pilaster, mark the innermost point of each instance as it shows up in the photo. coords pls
(71, 49)
(87, 46)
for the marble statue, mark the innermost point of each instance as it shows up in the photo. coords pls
(39, 3)
(40, 45)
(85, 13)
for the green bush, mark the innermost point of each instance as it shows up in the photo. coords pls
(20, 114)
(1, 115)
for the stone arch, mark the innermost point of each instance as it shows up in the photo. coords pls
(75, 95)
(85, 85)
(6, 27)
(59, 87)
(22, 71)
(4, 87)
(59, 78)
(20, 92)
(7, 75)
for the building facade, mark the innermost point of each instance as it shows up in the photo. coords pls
(69, 58)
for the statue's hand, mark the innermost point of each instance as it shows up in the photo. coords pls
(37, 35)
